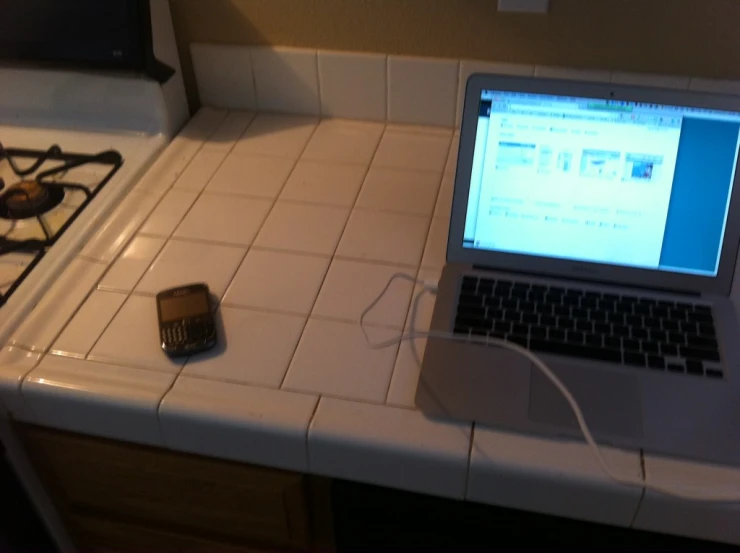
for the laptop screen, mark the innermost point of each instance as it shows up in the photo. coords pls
(602, 181)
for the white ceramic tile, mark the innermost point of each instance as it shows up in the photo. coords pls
(303, 228)
(715, 85)
(400, 190)
(435, 250)
(649, 79)
(324, 183)
(276, 135)
(128, 268)
(402, 390)
(120, 226)
(223, 74)
(254, 347)
(15, 364)
(333, 358)
(353, 85)
(411, 150)
(443, 207)
(252, 175)
(382, 236)
(277, 281)
(88, 324)
(59, 303)
(567, 73)
(468, 67)
(560, 478)
(451, 165)
(132, 338)
(350, 286)
(182, 262)
(168, 214)
(199, 172)
(344, 142)
(422, 91)
(286, 80)
(227, 219)
(386, 446)
(696, 519)
(96, 398)
(232, 128)
(237, 422)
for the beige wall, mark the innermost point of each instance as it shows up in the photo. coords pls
(687, 37)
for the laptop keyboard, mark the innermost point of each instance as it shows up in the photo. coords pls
(669, 336)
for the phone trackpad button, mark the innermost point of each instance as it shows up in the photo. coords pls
(610, 402)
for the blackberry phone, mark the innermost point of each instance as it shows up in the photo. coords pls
(186, 323)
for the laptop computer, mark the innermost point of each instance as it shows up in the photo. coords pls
(598, 226)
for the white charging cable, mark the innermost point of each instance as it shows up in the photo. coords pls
(689, 493)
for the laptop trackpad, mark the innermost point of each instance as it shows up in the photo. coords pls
(610, 402)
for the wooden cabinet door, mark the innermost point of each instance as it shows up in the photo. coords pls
(181, 493)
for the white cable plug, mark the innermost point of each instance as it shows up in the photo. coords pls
(689, 493)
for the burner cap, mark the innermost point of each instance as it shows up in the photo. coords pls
(29, 198)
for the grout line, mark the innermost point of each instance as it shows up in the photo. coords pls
(336, 247)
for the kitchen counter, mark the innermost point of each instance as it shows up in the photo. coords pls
(297, 224)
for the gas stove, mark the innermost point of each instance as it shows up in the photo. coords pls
(42, 192)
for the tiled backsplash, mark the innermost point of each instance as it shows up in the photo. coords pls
(379, 87)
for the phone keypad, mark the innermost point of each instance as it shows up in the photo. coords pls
(177, 334)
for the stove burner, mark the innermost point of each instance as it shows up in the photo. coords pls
(29, 198)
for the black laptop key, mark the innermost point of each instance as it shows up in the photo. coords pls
(707, 329)
(669, 349)
(538, 332)
(485, 285)
(469, 298)
(625, 308)
(509, 304)
(656, 362)
(543, 308)
(579, 313)
(660, 312)
(640, 333)
(520, 286)
(479, 331)
(641, 309)
(492, 301)
(561, 311)
(630, 344)
(517, 339)
(556, 334)
(713, 373)
(652, 322)
(703, 309)
(597, 316)
(502, 327)
(677, 338)
(566, 324)
(669, 324)
(461, 329)
(520, 329)
(512, 316)
(633, 320)
(614, 342)
(531, 318)
(548, 320)
(658, 335)
(616, 318)
(634, 359)
(553, 298)
(602, 328)
(591, 303)
(694, 366)
(594, 340)
(700, 317)
(536, 296)
(689, 327)
(519, 294)
(466, 321)
(526, 305)
(698, 353)
(504, 283)
(501, 291)
(585, 326)
(575, 350)
(677, 314)
(649, 347)
(495, 314)
(675, 367)
(469, 284)
(701, 342)
(571, 301)
(606, 305)
(574, 337)
(471, 310)
(620, 330)
(610, 297)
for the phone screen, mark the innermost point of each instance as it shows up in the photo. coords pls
(178, 307)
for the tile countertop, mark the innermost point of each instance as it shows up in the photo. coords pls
(296, 224)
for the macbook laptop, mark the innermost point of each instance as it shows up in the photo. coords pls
(598, 226)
